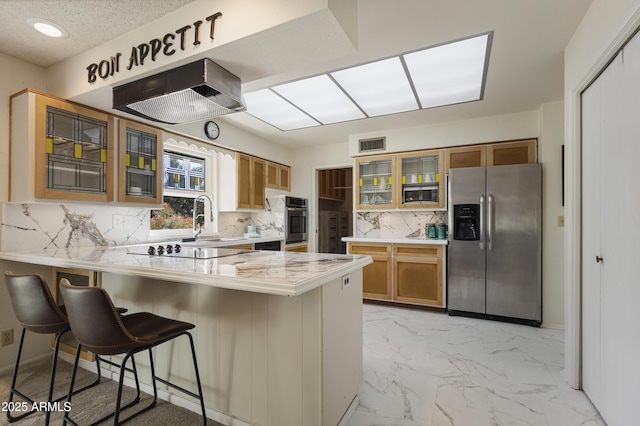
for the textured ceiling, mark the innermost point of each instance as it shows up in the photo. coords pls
(88, 22)
(525, 67)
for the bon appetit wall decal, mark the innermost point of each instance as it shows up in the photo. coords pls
(165, 46)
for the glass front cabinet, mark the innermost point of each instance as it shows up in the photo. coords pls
(421, 180)
(375, 182)
(140, 160)
(59, 150)
(407, 181)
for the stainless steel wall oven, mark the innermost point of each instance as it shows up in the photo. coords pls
(296, 225)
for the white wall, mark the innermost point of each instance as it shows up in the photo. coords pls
(238, 139)
(550, 144)
(603, 30)
(22, 75)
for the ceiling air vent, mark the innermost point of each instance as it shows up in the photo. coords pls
(373, 144)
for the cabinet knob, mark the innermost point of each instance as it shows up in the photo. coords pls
(599, 259)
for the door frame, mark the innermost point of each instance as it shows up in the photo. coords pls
(314, 207)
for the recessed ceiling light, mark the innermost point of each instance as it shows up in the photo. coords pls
(47, 28)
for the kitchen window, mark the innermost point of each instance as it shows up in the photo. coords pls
(187, 174)
(183, 172)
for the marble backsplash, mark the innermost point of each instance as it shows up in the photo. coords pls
(269, 223)
(396, 224)
(38, 226)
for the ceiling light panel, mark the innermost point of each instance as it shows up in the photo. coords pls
(449, 74)
(321, 98)
(379, 88)
(271, 108)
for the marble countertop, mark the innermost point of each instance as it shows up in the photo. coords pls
(423, 241)
(271, 272)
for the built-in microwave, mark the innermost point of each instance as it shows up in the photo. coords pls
(296, 226)
(419, 194)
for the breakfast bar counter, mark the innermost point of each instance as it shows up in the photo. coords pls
(281, 273)
(264, 359)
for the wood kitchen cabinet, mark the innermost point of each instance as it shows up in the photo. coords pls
(403, 273)
(420, 178)
(466, 156)
(332, 184)
(277, 176)
(77, 277)
(251, 179)
(140, 163)
(375, 182)
(284, 182)
(495, 154)
(505, 153)
(59, 150)
(241, 182)
(417, 274)
(376, 277)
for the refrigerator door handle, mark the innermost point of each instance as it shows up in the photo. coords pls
(490, 222)
(481, 240)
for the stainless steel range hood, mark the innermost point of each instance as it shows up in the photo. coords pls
(191, 92)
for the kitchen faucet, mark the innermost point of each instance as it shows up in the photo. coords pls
(197, 232)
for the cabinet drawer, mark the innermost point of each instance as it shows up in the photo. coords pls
(411, 250)
(379, 249)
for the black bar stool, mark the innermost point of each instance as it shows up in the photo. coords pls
(99, 329)
(37, 312)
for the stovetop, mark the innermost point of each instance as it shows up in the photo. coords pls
(169, 250)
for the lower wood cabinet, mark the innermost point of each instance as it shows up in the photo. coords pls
(297, 247)
(376, 277)
(417, 274)
(77, 277)
(406, 273)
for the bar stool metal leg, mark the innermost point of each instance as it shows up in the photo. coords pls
(123, 368)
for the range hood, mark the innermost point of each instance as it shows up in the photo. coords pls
(191, 92)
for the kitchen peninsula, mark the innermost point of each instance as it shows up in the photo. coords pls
(264, 358)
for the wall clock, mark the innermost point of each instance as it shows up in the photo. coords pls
(211, 129)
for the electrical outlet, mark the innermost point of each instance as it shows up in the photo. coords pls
(560, 221)
(6, 338)
(345, 281)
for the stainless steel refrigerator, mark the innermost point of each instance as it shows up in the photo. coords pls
(495, 242)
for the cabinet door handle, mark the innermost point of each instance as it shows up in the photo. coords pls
(599, 259)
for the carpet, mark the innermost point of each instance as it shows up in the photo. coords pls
(90, 404)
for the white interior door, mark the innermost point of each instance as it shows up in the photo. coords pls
(591, 135)
(611, 205)
(612, 282)
(628, 233)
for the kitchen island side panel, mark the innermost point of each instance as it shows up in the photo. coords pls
(264, 359)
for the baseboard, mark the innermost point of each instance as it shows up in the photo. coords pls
(9, 368)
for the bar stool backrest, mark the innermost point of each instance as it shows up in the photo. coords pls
(94, 320)
(33, 303)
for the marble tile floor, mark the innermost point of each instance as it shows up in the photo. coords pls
(426, 368)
